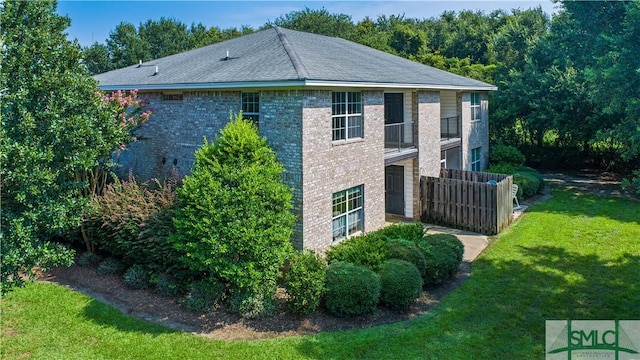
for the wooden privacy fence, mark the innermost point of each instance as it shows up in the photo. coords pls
(468, 200)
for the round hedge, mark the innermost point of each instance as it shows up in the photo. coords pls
(401, 284)
(450, 241)
(351, 290)
(137, 277)
(408, 251)
(442, 256)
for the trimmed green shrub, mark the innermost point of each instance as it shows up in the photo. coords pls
(442, 258)
(408, 251)
(304, 281)
(204, 295)
(234, 220)
(502, 168)
(412, 232)
(255, 303)
(527, 182)
(111, 266)
(89, 259)
(450, 241)
(132, 221)
(369, 250)
(351, 290)
(137, 277)
(533, 172)
(401, 284)
(166, 285)
(505, 154)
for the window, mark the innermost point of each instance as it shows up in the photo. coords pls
(475, 106)
(475, 159)
(172, 97)
(348, 213)
(346, 115)
(251, 107)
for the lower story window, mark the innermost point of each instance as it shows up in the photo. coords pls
(251, 107)
(475, 159)
(348, 213)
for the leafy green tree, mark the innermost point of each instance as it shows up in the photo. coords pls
(317, 22)
(96, 58)
(126, 47)
(55, 125)
(164, 37)
(234, 220)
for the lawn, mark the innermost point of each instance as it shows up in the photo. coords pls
(571, 257)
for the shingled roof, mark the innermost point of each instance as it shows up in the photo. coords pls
(279, 57)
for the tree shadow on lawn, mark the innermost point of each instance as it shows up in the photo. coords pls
(105, 315)
(500, 311)
(576, 202)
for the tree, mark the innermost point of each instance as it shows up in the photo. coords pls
(55, 125)
(317, 22)
(234, 220)
(96, 58)
(164, 37)
(126, 47)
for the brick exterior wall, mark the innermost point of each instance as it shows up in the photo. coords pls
(298, 126)
(428, 133)
(329, 167)
(175, 130)
(475, 134)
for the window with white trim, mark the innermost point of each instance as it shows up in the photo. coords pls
(346, 115)
(348, 212)
(251, 106)
(475, 106)
(475, 159)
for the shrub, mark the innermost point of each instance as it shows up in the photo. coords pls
(442, 258)
(137, 277)
(504, 154)
(412, 232)
(369, 250)
(89, 259)
(132, 222)
(234, 220)
(527, 182)
(254, 303)
(401, 284)
(111, 266)
(205, 294)
(304, 282)
(166, 285)
(533, 172)
(351, 290)
(408, 251)
(450, 241)
(502, 168)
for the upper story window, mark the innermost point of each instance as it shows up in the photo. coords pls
(475, 159)
(251, 107)
(475, 106)
(346, 115)
(348, 212)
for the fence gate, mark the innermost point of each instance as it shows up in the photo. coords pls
(468, 200)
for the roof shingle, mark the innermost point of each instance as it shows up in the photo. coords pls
(277, 57)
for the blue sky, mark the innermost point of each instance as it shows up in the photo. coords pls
(92, 21)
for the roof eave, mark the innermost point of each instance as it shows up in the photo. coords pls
(293, 83)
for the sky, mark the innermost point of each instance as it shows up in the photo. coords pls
(92, 21)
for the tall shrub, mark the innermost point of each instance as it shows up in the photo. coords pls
(234, 219)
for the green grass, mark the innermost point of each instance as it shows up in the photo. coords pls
(571, 257)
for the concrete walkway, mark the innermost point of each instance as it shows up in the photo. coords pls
(474, 243)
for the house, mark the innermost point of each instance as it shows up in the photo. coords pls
(354, 127)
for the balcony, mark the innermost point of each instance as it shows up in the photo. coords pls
(398, 137)
(398, 142)
(450, 128)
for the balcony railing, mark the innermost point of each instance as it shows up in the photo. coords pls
(398, 136)
(450, 128)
